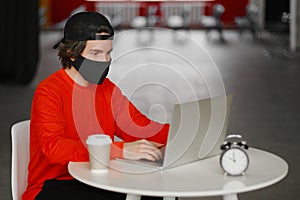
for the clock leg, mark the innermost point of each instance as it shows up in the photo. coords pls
(133, 197)
(230, 197)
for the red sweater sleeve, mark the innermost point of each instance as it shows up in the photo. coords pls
(48, 125)
(131, 124)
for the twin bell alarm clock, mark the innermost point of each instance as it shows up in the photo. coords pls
(234, 159)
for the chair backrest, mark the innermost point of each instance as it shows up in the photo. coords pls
(20, 135)
(252, 12)
(186, 14)
(218, 10)
(152, 17)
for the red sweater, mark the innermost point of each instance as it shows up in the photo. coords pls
(65, 113)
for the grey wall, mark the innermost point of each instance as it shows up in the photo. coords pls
(295, 26)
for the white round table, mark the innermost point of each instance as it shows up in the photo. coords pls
(198, 179)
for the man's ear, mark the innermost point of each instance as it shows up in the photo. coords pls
(71, 58)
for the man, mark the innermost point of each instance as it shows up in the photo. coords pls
(76, 101)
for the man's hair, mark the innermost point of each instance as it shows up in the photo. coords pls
(68, 49)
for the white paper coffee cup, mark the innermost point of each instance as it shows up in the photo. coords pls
(99, 151)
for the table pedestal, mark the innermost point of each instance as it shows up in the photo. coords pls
(133, 197)
(230, 197)
(138, 197)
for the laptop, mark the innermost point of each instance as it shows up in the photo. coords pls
(197, 130)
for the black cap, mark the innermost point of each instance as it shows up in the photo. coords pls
(83, 26)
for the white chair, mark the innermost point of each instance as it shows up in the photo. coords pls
(145, 24)
(20, 157)
(214, 22)
(20, 135)
(150, 20)
(180, 21)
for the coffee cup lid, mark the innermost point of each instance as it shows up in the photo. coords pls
(98, 139)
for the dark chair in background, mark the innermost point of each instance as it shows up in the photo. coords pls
(276, 37)
(115, 18)
(249, 21)
(214, 22)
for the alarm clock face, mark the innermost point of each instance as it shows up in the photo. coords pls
(234, 161)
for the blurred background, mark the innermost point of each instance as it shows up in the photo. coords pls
(171, 51)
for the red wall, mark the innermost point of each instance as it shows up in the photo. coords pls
(61, 9)
(233, 8)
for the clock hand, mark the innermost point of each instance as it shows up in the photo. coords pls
(233, 155)
(231, 159)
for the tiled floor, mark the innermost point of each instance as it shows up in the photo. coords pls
(266, 106)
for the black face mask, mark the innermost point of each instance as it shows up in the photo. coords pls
(92, 71)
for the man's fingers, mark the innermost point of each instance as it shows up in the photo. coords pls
(150, 148)
(159, 145)
(143, 149)
(156, 153)
(147, 156)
